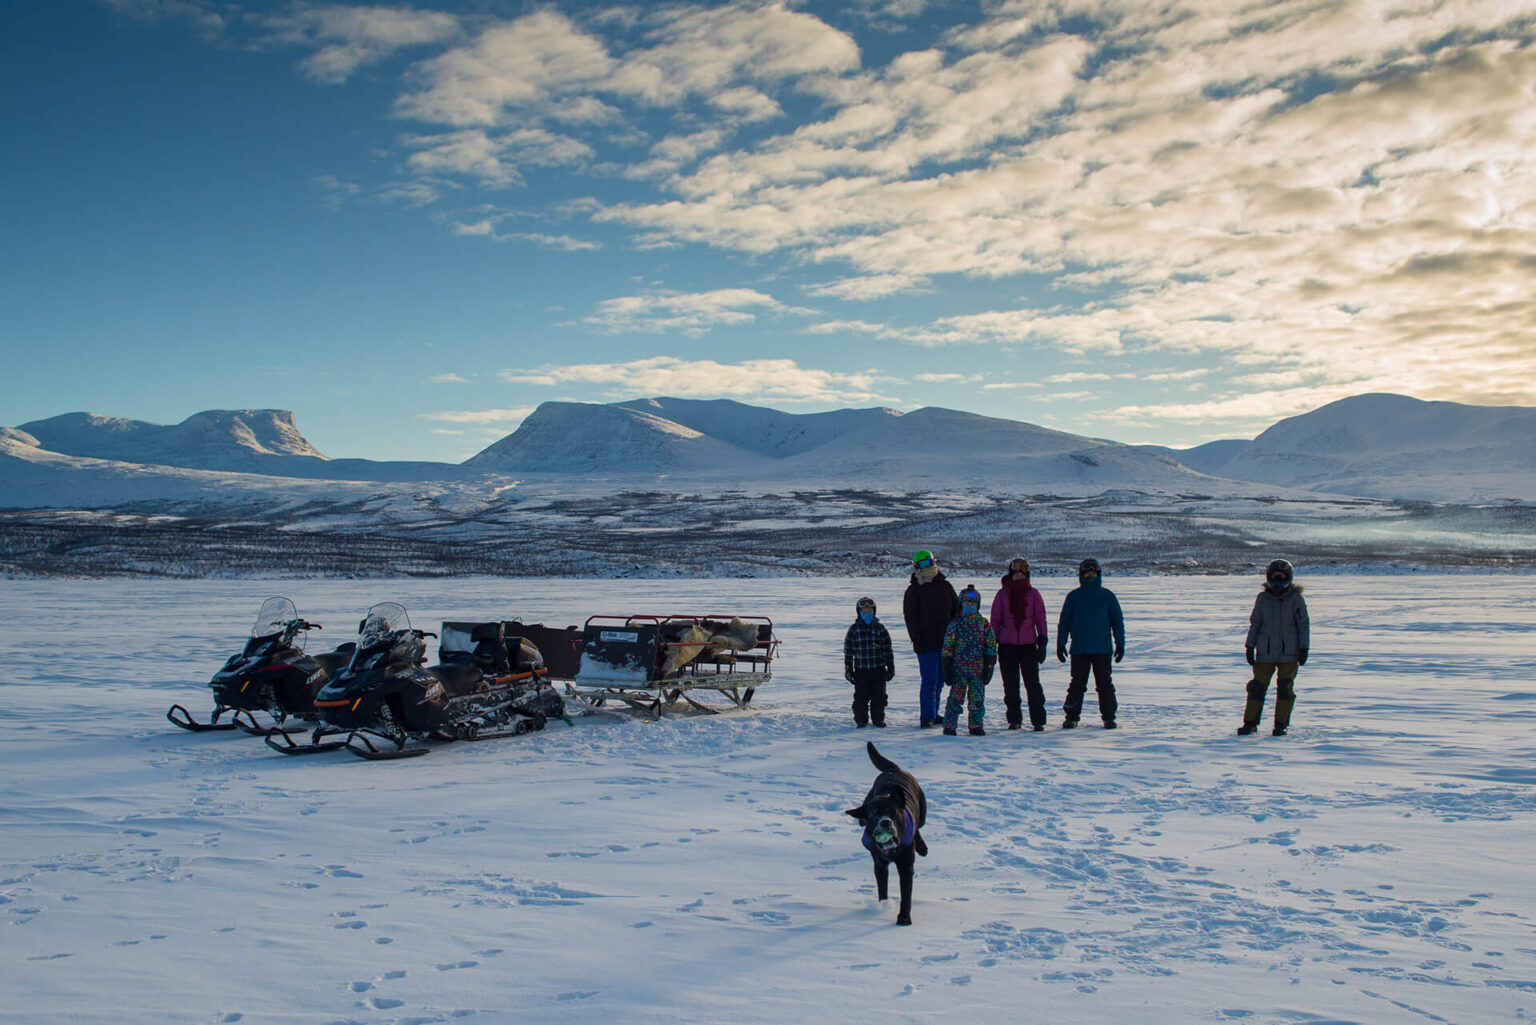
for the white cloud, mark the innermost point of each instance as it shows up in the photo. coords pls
(200, 13)
(869, 286)
(689, 313)
(947, 378)
(767, 380)
(542, 63)
(514, 415)
(346, 38)
(495, 159)
(446, 379)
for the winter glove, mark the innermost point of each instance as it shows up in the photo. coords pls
(890, 673)
(1301, 657)
(949, 672)
(1061, 653)
(986, 672)
(1119, 652)
(848, 673)
(1040, 652)
(1249, 653)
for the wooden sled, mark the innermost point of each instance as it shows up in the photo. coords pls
(655, 664)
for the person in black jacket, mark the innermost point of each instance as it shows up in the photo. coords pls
(928, 606)
(868, 664)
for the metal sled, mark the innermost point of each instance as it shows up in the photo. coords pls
(625, 660)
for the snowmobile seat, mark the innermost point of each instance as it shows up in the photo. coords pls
(331, 661)
(490, 649)
(459, 680)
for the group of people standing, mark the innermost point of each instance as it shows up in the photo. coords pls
(956, 644)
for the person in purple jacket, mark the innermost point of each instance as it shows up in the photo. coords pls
(1018, 620)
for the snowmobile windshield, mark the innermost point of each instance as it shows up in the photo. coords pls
(274, 617)
(381, 623)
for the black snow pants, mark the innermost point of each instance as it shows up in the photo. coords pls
(869, 696)
(1014, 660)
(1102, 682)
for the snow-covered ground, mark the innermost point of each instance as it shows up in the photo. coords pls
(1372, 867)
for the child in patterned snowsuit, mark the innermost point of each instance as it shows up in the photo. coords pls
(970, 655)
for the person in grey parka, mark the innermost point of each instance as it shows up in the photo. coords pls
(1279, 635)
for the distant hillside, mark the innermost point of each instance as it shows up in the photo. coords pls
(217, 439)
(1392, 446)
(263, 441)
(858, 448)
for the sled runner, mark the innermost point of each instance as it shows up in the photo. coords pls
(488, 683)
(651, 664)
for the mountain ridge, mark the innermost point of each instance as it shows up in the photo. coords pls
(1374, 445)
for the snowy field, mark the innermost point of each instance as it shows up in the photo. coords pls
(1372, 867)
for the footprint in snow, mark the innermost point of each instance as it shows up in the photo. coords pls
(455, 965)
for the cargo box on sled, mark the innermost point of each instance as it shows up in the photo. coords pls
(652, 663)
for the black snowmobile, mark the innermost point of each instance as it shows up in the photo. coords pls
(272, 674)
(487, 685)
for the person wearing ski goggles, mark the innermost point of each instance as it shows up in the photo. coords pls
(1279, 637)
(928, 606)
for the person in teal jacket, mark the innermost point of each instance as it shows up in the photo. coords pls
(1091, 620)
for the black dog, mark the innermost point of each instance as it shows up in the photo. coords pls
(893, 814)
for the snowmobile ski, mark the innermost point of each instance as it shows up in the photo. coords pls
(279, 740)
(186, 722)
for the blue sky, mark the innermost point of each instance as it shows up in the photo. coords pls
(1149, 221)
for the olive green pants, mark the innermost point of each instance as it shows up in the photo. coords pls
(1285, 693)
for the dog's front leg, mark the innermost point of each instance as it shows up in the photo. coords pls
(904, 871)
(882, 877)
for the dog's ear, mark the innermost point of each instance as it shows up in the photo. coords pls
(858, 813)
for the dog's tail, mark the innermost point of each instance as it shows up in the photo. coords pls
(882, 763)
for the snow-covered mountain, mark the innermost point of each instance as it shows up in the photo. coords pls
(216, 439)
(1379, 446)
(261, 441)
(1389, 446)
(856, 448)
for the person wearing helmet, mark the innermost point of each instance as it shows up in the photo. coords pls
(1018, 620)
(868, 664)
(1091, 620)
(1279, 634)
(928, 606)
(970, 654)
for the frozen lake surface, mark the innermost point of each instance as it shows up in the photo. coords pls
(1372, 867)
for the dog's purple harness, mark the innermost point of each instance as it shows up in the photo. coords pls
(908, 833)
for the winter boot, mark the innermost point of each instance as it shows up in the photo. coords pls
(1039, 728)
(1015, 725)
(1278, 731)
(1109, 724)
(1069, 724)
(949, 731)
(1246, 728)
(926, 724)
(977, 731)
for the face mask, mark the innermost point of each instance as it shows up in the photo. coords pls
(969, 608)
(868, 617)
